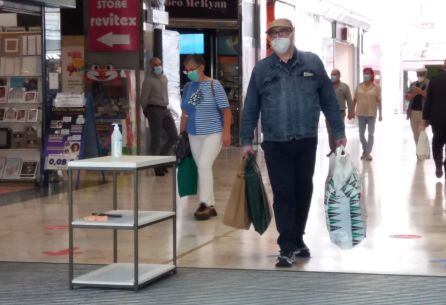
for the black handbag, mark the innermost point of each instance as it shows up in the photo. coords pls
(182, 148)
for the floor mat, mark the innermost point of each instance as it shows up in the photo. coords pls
(27, 283)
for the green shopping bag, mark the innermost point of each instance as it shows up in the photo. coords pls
(187, 177)
(258, 206)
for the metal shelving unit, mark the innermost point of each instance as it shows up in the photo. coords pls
(122, 275)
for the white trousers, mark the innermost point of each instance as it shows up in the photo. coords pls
(205, 149)
(415, 123)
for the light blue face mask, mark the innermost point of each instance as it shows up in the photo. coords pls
(334, 78)
(158, 70)
(367, 77)
(194, 76)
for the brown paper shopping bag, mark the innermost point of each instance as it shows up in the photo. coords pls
(236, 214)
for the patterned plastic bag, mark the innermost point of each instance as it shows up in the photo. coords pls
(345, 215)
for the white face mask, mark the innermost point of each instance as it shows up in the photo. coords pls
(420, 79)
(281, 45)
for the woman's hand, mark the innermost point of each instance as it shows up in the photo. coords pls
(226, 139)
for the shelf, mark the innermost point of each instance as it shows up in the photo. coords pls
(16, 122)
(19, 179)
(145, 218)
(121, 275)
(20, 149)
(24, 33)
(16, 75)
(20, 103)
(121, 163)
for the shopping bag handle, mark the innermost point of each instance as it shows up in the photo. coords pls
(340, 151)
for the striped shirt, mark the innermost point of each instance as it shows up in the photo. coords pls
(204, 107)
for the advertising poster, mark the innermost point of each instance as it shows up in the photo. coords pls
(73, 69)
(63, 142)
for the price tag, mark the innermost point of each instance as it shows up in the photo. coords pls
(56, 162)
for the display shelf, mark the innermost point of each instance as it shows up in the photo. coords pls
(20, 103)
(145, 218)
(21, 32)
(20, 149)
(19, 75)
(121, 275)
(21, 123)
(18, 180)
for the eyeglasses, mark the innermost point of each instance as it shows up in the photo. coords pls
(187, 71)
(279, 33)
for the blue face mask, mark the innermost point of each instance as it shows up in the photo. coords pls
(367, 77)
(158, 70)
(193, 75)
(334, 78)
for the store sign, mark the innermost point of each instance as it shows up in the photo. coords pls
(203, 9)
(113, 25)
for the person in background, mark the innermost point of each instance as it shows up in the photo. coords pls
(434, 114)
(416, 95)
(206, 117)
(154, 102)
(288, 90)
(367, 102)
(344, 97)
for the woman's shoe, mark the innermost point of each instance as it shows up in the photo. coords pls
(205, 212)
(368, 158)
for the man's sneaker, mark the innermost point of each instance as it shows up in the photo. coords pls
(303, 252)
(285, 260)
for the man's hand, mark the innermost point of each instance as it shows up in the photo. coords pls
(417, 90)
(341, 142)
(380, 117)
(226, 139)
(425, 123)
(247, 150)
(351, 115)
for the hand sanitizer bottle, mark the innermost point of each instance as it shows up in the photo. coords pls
(116, 142)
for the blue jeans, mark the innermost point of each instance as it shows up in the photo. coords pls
(290, 169)
(363, 122)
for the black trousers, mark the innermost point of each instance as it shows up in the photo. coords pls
(438, 143)
(290, 169)
(161, 119)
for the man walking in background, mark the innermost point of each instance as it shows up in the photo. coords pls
(344, 97)
(154, 102)
(434, 114)
(416, 96)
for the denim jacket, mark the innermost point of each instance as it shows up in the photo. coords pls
(289, 100)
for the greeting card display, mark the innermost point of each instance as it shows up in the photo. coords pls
(12, 168)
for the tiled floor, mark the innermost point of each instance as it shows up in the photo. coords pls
(401, 194)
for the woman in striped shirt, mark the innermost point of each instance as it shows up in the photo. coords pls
(206, 117)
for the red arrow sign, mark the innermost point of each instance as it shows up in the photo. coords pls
(114, 25)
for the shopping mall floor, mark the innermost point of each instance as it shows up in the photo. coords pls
(406, 218)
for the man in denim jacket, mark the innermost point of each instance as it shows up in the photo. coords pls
(289, 89)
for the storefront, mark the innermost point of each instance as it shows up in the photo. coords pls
(226, 33)
(332, 32)
(29, 76)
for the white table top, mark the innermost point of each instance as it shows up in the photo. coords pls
(130, 162)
